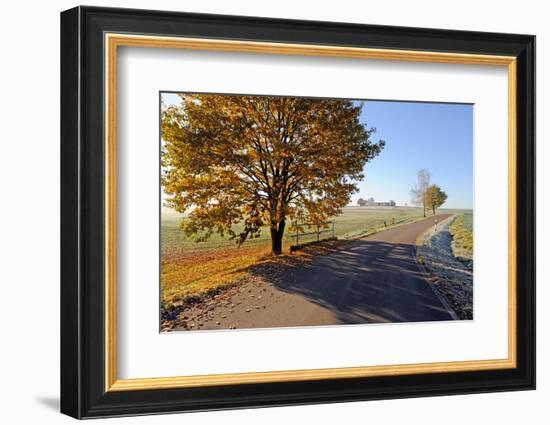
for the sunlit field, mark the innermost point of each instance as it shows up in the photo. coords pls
(462, 231)
(191, 268)
(353, 222)
(469, 221)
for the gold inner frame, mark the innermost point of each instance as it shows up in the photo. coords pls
(113, 41)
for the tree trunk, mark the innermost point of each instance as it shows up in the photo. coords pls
(424, 208)
(277, 238)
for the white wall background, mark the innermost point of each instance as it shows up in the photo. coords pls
(29, 212)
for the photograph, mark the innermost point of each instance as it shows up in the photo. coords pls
(287, 211)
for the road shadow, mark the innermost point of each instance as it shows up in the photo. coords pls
(366, 281)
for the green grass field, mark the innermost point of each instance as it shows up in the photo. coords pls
(462, 229)
(354, 222)
(469, 221)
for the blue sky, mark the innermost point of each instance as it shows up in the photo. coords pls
(435, 136)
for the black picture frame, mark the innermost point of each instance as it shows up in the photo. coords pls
(83, 392)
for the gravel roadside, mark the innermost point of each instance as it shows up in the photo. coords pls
(452, 279)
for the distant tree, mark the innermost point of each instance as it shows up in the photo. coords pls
(371, 200)
(260, 161)
(434, 197)
(418, 191)
(361, 202)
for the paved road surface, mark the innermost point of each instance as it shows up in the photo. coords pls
(372, 280)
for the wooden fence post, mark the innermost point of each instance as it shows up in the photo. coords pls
(318, 231)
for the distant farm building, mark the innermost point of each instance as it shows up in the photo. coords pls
(372, 203)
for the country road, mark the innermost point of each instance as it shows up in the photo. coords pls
(371, 280)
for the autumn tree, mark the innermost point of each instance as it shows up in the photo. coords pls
(434, 197)
(419, 190)
(261, 161)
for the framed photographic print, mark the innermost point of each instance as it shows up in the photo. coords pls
(261, 212)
